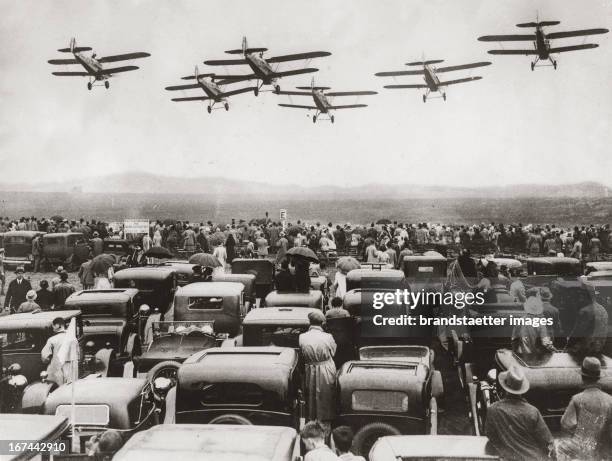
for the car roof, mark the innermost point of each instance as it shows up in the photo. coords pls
(114, 392)
(358, 274)
(431, 257)
(101, 296)
(292, 298)
(210, 289)
(35, 428)
(278, 315)
(60, 234)
(210, 442)
(553, 260)
(22, 233)
(139, 273)
(34, 320)
(269, 367)
(600, 265)
(392, 447)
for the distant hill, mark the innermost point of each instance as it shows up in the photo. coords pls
(230, 189)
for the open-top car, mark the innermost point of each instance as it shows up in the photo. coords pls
(431, 447)
(312, 299)
(212, 442)
(123, 404)
(390, 391)
(262, 269)
(18, 247)
(156, 285)
(553, 380)
(244, 385)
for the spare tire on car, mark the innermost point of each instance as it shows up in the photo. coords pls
(231, 419)
(370, 433)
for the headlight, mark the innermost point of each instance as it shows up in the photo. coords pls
(18, 382)
(162, 385)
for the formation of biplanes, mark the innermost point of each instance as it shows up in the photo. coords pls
(215, 88)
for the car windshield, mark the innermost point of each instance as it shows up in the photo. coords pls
(15, 240)
(100, 310)
(185, 328)
(205, 303)
(281, 336)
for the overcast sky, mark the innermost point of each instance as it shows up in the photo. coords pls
(514, 126)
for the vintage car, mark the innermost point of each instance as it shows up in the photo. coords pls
(431, 447)
(553, 378)
(110, 320)
(273, 326)
(376, 279)
(244, 385)
(219, 302)
(183, 269)
(425, 270)
(597, 266)
(248, 280)
(123, 404)
(262, 269)
(156, 285)
(542, 271)
(312, 299)
(118, 247)
(17, 429)
(18, 247)
(212, 442)
(67, 248)
(390, 391)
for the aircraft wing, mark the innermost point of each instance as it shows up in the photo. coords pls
(124, 57)
(286, 73)
(227, 79)
(462, 67)
(183, 87)
(399, 87)
(399, 73)
(351, 93)
(299, 56)
(507, 38)
(192, 98)
(561, 49)
(225, 62)
(295, 93)
(62, 61)
(71, 74)
(296, 106)
(514, 52)
(576, 33)
(238, 91)
(459, 80)
(116, 70)
(349, 106)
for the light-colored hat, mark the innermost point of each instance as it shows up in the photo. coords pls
(514, 381)
(316, 317)
(59, 269)
(31, 295)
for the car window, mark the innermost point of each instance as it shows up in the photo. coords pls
(231, 394)
(390, 401)
(15, 240)
(53, 240)
(205, 303)
(282, 336)
(18, 341)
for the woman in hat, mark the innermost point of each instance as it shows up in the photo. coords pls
(527, 338)
(318, 349)
(29, 305)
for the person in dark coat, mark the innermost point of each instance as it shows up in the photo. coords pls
(230, 247)
(591, 328)
(62, 290)
(283, 278)
(17, 290)
(44, 296)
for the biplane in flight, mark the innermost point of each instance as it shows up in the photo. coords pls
(261, 66)
(93, 65)
(542, 47)
(214, 93)
(322, 102)
(430, 75)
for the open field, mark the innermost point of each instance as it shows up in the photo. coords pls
(113, 207)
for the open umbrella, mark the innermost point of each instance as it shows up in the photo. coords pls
(101, 263)
(303, 252)
(295, 230)
(158, 252)
(347, 263)
(217, 238)
(383, 221)
(204, 259)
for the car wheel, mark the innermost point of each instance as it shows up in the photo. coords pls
(167, 369)
(370, 433)
(231, 419)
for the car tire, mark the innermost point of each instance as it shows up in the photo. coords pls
(231, 419)
(370, 433)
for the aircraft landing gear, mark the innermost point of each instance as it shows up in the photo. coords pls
(532, 66)
(89, 86)
(256, 91)
(444, 96)
(209, 109)
(277, 89)
(314, 119)
(424, 98)
(332, 118)
(226, 105)
(554, 65)
(106, 84)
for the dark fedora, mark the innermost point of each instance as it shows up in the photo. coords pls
(591, 368)
(514, 381)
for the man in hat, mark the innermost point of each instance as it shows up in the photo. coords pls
(531, 337)
(514, 427)
(17, 290)
(550, 312)
(97, 244)
(318, 349)
(37, 252)
(588, 417)
(56, 280)
(29, 305)
(62, 290)
(517, 289)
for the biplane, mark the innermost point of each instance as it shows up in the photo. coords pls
(542, 47)
(261, 66)
(93, 64)
(214, 93)
(430, 75)
(322, 102)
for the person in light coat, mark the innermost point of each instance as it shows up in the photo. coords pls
(49, 353)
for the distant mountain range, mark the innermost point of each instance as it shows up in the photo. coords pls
(225, 189)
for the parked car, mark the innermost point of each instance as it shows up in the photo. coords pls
(183, 269)
(110, 320)
(18, 248)
(212, 442)
(119, 247)
(262, 269)
(67, 248)
(312, 299)
(17, 429)
(389, 391)
(220, 302)
(156, 285)
(248, 280)
(123, 404)
(542, 271)
(277, 326)
(425, 270)
(431, 447)
(245, 385)
(376, 279)
(597, 266)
